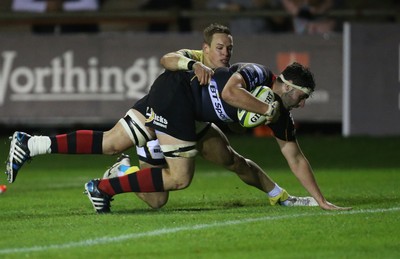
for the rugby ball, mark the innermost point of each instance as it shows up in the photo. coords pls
(250, 119)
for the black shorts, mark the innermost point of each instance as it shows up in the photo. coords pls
(170, 107)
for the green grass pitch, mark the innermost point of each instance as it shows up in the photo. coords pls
(45, 214)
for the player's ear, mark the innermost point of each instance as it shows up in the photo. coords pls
(286, 88)
(205, 47)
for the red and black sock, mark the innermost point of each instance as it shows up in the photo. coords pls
(78, 142)
(145, 180)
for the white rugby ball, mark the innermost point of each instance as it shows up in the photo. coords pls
(250, 119)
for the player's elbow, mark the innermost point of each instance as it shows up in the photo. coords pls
(169, 61)
(228, 96)
(163, 61)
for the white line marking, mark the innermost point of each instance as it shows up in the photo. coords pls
(164, 231)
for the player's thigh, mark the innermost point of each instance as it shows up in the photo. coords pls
(215, 147)
(180, 158)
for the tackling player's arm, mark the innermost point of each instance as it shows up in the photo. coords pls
(186, 60)
(301, 168)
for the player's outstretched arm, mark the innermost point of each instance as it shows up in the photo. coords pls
(303, 171)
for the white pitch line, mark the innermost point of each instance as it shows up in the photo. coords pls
(164, 231)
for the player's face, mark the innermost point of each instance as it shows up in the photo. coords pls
(294, 99)
(219, 53)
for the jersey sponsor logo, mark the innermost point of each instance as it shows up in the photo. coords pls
(217, 102)
(155, 119)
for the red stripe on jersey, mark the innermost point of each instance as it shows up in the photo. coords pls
(84, 141)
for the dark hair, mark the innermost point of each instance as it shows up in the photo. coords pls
(212, 29)
(300, 75)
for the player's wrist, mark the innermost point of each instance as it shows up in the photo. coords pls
(185, 63)
(272, 109)
(191, 64)
(268, 111)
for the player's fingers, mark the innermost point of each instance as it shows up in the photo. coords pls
(203, 79)
(345, 208)
(199, 76)
(204, 75)
(207, 79)
(208, 76)
(330, 206)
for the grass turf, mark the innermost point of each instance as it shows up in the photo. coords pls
(45, 215)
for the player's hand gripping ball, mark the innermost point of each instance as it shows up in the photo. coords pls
(250, 119)
(3, 188)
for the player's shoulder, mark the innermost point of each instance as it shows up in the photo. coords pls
(222, 74)
(241, 66)
(253, 74)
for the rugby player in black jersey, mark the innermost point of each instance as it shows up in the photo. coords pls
(213, 144)
(173, 115)
(100, 144)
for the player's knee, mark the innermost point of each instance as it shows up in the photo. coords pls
(184, 183)
(182, 180)
(154, 200)
(158, 203)
(111, 142)
(183, 169)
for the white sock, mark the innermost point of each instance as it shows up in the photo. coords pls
(276, 191)
(39, 145)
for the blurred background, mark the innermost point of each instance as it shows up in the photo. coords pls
(83, 63)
